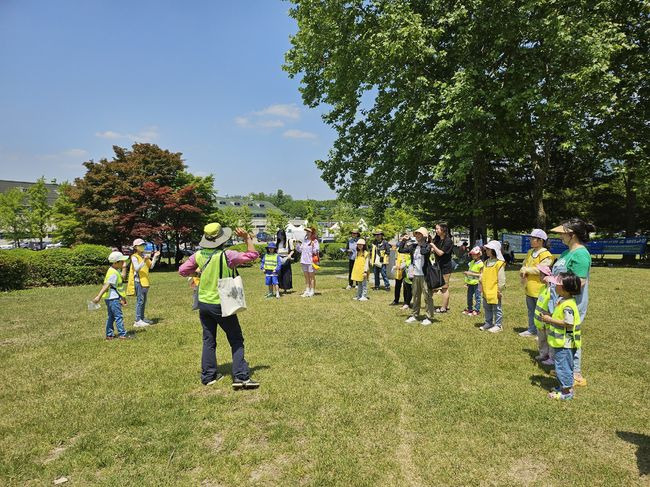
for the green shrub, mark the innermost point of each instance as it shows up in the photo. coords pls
(333, 251)
(13, 270)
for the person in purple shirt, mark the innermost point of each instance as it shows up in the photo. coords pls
(214, 239)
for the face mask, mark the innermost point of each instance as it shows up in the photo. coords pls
(140, 248)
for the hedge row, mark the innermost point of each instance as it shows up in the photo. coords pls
(83, 264)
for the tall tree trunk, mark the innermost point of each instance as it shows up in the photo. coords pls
(629, 178)
(540, 175)
(479, 175)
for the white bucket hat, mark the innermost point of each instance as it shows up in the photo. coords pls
(539, 233)
(117, 257)
(496, 246)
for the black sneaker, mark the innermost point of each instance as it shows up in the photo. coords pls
(394, 303)
(238, 384)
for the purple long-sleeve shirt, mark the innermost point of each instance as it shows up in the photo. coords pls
(233, 258)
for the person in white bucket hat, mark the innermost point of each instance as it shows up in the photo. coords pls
(530, 275)
(493, 283)
(112, 292)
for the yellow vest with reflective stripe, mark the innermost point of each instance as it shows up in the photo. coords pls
(542, 307)
(490, 281)
(474, 266)
(208, 290)
(270, 262)
(534, 282)
(118, 285)
(557, 335)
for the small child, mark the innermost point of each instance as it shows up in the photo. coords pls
(271, 263)
(113, 293)
(472, 279)
(541, 307)
(564, 332)
(493, 283)
(360, 270)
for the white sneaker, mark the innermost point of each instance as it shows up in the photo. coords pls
(305, 294)
(356, 298)
(406, 306)
(484, 327)
(526, 334)
(426, 321)
(348, 288)
(495, 329)
(411, 319)
(363, 298)
(140, 324)
(277, 296)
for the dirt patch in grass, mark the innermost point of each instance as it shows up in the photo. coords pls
(59, 450)
(528, 471)
(270, 470)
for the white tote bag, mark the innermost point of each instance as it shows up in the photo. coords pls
(231, 291)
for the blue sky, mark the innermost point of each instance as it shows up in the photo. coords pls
(203, 78)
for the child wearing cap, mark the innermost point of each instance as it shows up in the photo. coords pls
(529, 273)
(361, 269)
(270, 266)
(472, 279)
(564, 332)
(138, 283)
(113, 293)
(493, 283)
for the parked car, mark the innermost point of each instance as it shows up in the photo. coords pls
(57, 245)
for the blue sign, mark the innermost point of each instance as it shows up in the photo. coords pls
(149, 247)
(620, 246)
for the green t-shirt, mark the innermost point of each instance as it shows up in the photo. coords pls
(578, 262)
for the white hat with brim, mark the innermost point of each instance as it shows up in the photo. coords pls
(361, 241)
(214, 235)
(423, 231)
(496, 246)
(117, 257)
(538, 233)
(138, 241)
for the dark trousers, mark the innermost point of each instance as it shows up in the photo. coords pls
(350, 266)
(210, 315)
(381, 271)
(408, 291)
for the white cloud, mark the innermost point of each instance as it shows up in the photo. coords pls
(270, 123)
(149, 134)
(288, 111)
(299, 134)
(243, 121)
(75, 153)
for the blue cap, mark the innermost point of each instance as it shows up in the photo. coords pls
(271, 245)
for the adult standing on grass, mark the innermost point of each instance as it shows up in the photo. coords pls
(208, 262)
(530, 275)
(380, 256)
(351, 250)
(402, 263)
(420, 253)
(138, 283)
(308, 249)
(576, 259)
(286, 250)
(442, 247)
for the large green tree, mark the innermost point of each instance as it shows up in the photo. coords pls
(13, 218)
(40, 212)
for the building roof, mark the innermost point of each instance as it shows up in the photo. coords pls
(256, 206)
(53, 192)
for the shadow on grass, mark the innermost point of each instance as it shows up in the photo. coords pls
(519, 329)
(226, 368)
(642, 453)
(544, 381)
(533, 353)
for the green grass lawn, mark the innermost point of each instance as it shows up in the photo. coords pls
(350, 395)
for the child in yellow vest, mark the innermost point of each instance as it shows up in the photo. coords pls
(138, 284)
(270, 266)
(472, 281)
(360, 270)
(530, 277)
(113, 293)
(564, 331)
(493, 283)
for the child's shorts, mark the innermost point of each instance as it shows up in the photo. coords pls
(307, 268)
(271, 280)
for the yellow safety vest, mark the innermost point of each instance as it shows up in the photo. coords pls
(143, 274)
(534, 282)
(359, 266)
(208, 290)
(383, 255)
(490, 281)
(402, 259)
(557, 335)
(542, 307)
(118, 285)
(270, 262)
(474, 266)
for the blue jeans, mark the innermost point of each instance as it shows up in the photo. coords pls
(381, 271)
(531, 303)
(141, 301)
(114, 308)
(473, 294)
(362, 289)
(563, 358)
(493, 313)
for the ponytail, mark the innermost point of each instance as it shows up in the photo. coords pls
(580, 228)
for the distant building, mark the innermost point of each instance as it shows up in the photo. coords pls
(259, 209)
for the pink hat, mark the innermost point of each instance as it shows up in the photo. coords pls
(544, 269)
(553, 280)
(476, 250)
